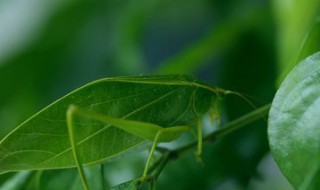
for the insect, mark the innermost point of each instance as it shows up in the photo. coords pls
(108, 117)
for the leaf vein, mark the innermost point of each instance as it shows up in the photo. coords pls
(101, 130)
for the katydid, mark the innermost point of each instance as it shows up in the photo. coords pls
(109, 117)
(145, 130)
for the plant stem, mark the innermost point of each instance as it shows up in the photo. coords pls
(168, 155)
(226, 129)
(240, 122)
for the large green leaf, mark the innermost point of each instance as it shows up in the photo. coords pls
(294, 125)
(42, 141)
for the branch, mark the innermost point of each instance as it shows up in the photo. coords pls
(225, 130)
(228, 128)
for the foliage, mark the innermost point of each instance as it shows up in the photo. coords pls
(163, 100)
(48, 49)
(294, 125)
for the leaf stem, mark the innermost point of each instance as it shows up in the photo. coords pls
(228, 128)
(168, 155)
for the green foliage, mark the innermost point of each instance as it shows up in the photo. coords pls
(162, 100)
(294, 125)
(219, 37)
(295, 20)
(49, 49)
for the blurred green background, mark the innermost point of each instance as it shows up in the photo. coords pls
(48, 48)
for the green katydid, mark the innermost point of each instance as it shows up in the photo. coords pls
(116, 114)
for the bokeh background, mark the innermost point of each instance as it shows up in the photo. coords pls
(48, 48)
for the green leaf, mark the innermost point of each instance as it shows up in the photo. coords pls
(294, 125)
(129, 185)
(42, 141)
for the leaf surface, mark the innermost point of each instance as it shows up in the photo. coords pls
(42, 141)
(129, 185)
(294, 125)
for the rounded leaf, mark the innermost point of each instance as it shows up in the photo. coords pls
(294, 125)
